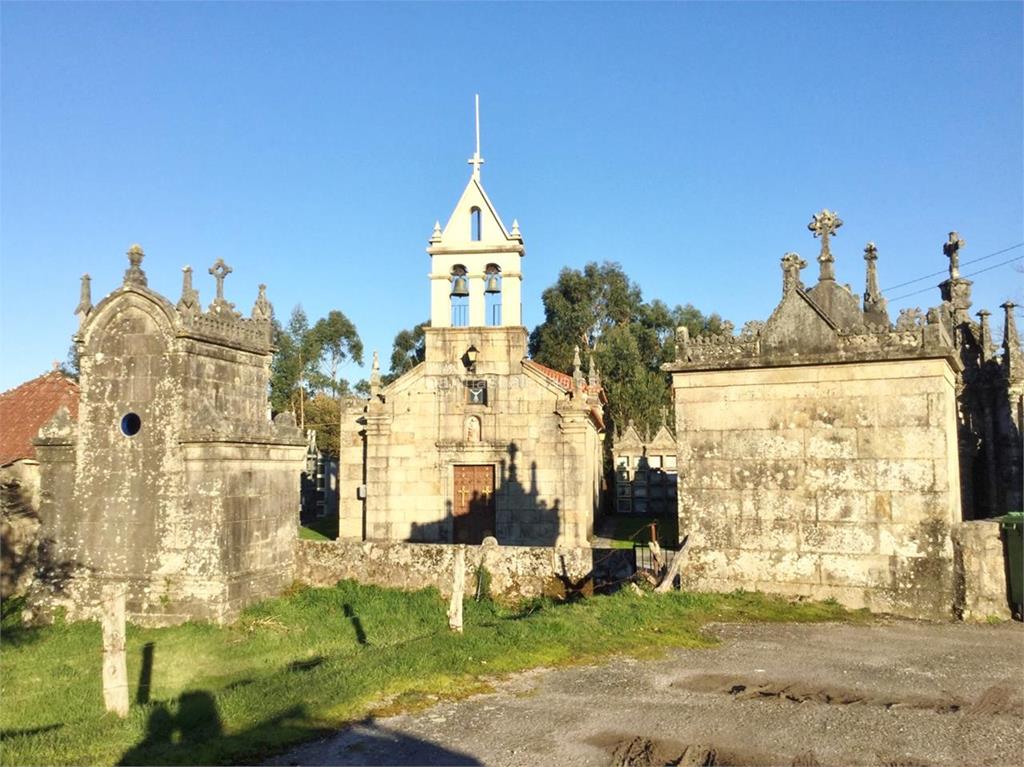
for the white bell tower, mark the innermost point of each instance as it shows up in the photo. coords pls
(475, 274)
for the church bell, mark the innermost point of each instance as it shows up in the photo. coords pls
(493, 286)
(460, 287)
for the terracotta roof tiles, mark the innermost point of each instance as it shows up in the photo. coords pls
(24, 409)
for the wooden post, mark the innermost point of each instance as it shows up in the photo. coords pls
(115, 672)
(458, 586)
(673, 568)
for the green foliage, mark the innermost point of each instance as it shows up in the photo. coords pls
(309, 361)
(408, 351)
(294, 668)
(603, 312)
(333, 341)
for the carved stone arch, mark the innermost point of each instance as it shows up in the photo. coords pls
(116, 307)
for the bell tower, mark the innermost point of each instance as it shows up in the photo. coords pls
(475, 274)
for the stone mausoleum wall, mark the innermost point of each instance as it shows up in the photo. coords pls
(820, 451)
(823, 480)
(516, 572)
(174, 481)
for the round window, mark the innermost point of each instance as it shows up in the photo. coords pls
(130, 424)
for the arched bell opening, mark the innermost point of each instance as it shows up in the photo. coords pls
(459, 296)
(492, 294)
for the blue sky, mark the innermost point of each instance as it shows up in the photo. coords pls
(312, 146)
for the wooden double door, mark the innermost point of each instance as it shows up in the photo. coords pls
(473, 503)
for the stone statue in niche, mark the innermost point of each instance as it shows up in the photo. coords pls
(472, 429)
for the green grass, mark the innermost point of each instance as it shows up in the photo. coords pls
(325, 529)
(624, 529)
(296, 667)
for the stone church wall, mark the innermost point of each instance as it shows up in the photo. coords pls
(517, 572)
(823, 481)
(519, 434)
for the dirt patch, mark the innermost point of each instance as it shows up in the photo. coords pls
(1000, 699)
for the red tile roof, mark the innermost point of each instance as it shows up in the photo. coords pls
(565, 381)
(24, 409)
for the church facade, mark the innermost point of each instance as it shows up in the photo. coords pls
(477, 440)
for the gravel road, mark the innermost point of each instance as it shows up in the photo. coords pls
(894, 693)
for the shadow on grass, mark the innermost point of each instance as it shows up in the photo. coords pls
(193, 733)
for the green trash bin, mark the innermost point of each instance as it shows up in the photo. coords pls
(1013, 531)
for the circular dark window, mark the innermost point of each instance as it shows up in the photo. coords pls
(130, 424)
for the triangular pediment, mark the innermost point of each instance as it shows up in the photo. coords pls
(798, 325)
(628, 438)
(460, 227)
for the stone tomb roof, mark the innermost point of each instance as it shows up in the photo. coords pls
(26, 408)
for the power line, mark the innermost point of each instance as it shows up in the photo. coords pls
(972, 274)
(943, 271)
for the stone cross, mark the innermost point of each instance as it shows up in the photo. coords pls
(823, 225)
(220, 270)
(952, 251)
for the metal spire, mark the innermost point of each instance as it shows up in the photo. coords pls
(476, 160)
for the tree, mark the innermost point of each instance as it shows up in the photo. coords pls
(603, 312)
(293, 365)
(408, 351)
(579, 309)
(336, 342)
(333, 342)
(71, 366)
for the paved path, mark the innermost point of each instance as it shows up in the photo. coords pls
(900, 694)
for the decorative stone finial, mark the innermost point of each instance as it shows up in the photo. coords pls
(593, 375)
(436, 235)
(791, 266)
(577, 369)
(134, 274)
(375, 376)
(952, 251)
(515, 229)
(876, 311)
(262, 310)
(84, 299)
(985, 341)
(824, 225)
(1013, 356)
(188, 304)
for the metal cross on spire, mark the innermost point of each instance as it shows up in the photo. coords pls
(476, 160)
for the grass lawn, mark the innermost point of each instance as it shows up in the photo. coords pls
(324, 529)
(624, 529)
(299, 666)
